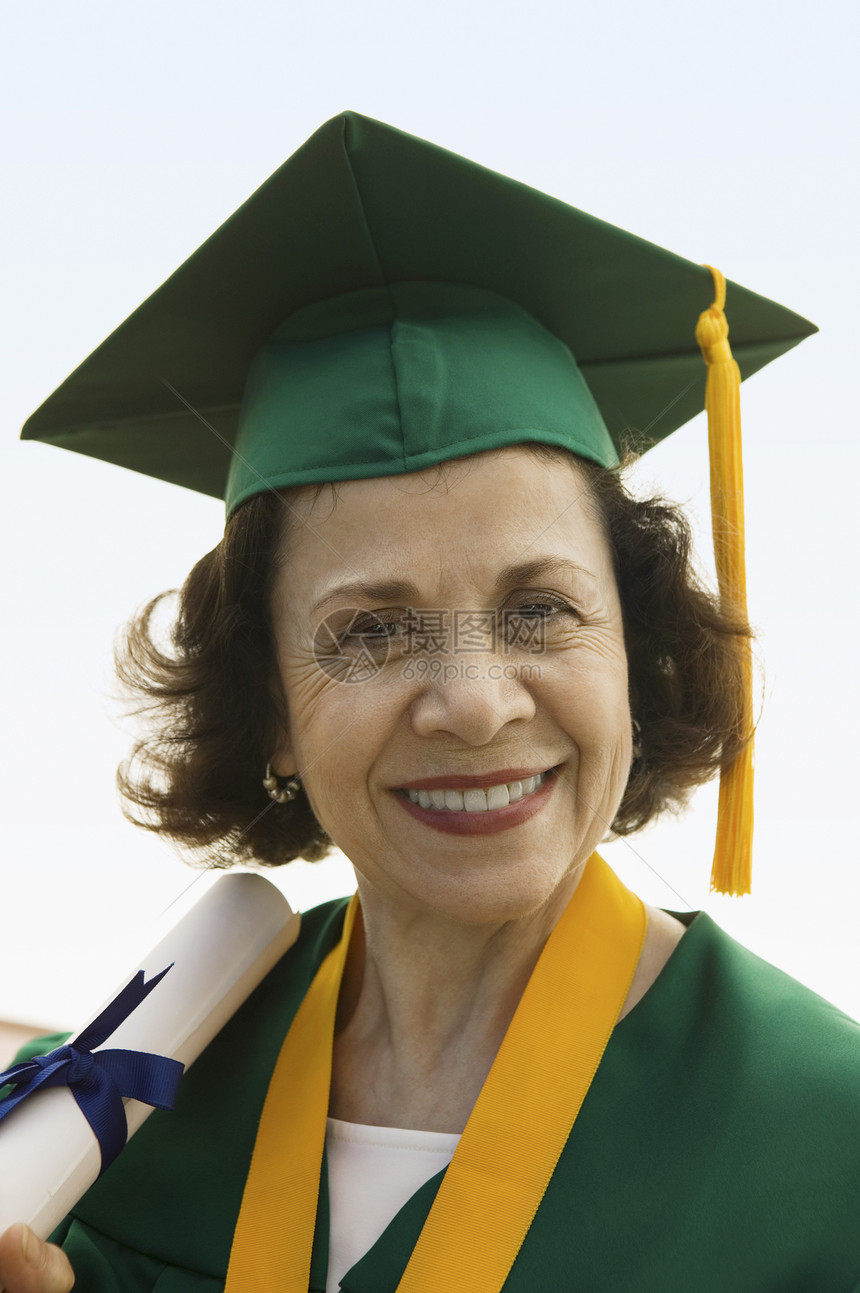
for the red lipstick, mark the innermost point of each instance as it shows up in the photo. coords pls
(482, 782)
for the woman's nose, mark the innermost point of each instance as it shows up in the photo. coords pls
(470, 696)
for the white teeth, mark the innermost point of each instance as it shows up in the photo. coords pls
(476, 801)
(498, 797)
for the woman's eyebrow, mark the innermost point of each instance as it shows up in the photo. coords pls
(526, 572)
(387, 590)
(393, 590)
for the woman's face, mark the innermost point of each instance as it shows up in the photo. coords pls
(454, 635)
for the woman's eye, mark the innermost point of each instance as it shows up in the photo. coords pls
(531, 623)
(368, 631)
(533, 611)
(538, 610)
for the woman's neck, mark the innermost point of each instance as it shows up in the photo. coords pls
(424, 1006)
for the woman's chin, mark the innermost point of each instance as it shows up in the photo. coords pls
(495, 896)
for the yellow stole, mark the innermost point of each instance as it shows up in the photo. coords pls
(512, 1141)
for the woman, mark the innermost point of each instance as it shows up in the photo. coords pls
(465, 662)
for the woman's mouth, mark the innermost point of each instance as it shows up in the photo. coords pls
(475, 800)
(478, 810)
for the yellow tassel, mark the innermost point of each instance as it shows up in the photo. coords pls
(732, 868)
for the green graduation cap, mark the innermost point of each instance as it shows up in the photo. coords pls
(381, 305)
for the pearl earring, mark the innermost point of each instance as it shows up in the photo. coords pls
(281, 794)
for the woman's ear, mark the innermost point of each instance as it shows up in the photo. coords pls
(281, 781)
(282, 761)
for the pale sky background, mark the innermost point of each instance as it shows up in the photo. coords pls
(129, 132)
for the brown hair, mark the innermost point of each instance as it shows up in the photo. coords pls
(213, 704)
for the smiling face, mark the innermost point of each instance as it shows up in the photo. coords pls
(445, 641)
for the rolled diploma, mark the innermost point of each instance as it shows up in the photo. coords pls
(220, 950)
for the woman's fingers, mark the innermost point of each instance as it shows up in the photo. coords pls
(27, 1265)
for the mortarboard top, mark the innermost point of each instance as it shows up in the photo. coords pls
(397, 305)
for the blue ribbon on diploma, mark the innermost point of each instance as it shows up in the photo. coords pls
(99, 1082)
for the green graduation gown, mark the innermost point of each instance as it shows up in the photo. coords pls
(718, 1148)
